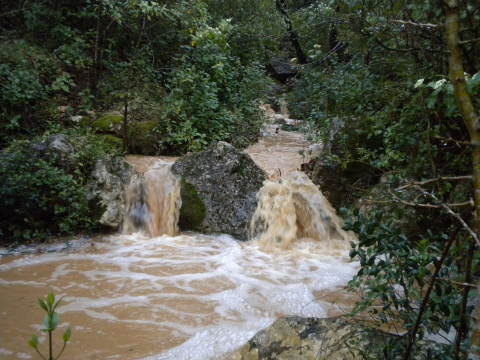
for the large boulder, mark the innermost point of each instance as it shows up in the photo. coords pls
(281, 69)
(110, 177)
(219, 187)
(343, 182)
(294, 337)
(297, 338)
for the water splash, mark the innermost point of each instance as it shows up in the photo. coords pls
(153, 202)
(295, 208)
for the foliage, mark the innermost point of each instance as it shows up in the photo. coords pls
(50, 322)
(41, 197)
(211, 95)
(30, 80)
(394, 276)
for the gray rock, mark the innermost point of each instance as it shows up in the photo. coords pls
(220, 185)
(281, 69)
(76, 119)
(279, 119)
(57, 149)
(297, 338)
(110, 177)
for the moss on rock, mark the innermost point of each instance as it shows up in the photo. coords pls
(108, 124)
(193, 211)
(86, 121)
(112, 141)
(145, 137)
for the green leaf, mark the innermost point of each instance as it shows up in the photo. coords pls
(66, 336)
(387, 229)
(46, 322)
(382, 317)
(57, 303)
(50, 299)
(34, 342)
(55, 321)
(42, 304)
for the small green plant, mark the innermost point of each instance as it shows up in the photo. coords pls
(50, 321)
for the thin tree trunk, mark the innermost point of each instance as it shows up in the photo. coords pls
(302, 58)
(472, 121)
(96, 65)
(128, 86)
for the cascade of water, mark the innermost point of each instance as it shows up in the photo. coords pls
(153, 202)
(295, 208)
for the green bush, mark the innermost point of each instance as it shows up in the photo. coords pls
(212, 96)
(40, 196)
(394, 276)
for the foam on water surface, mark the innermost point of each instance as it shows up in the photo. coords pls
(186, 297)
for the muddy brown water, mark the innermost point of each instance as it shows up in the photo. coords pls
(189, 296)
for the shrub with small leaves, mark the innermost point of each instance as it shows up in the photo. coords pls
(394, 278)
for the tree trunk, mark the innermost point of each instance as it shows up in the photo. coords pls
(472, 121)
(302, 58)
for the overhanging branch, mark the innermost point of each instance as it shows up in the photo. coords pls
(468, 41)
(429, 181)
(411, 23)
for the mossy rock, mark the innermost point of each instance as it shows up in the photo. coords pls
(226, 182)
(111, 140)
(108, 124)
(86, 121)
(145, 137)
(193, 210)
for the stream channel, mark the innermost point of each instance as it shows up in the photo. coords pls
(190, 296)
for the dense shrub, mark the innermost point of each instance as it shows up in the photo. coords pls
(40, 195)
(212, 96)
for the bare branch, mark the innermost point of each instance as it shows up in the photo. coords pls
(458, 283)
(468, 41)
(414, 204)
(392, 49)
(411, 23)
(463, 143)
(448, 178)
(449, 211)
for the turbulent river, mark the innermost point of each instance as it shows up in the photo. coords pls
(190, 296)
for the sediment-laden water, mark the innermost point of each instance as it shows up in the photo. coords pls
(178, 296)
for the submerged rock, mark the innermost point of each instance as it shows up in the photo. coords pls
(107, 190)
(219, 187)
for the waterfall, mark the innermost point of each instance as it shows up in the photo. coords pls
(153, 201)
(295, 208)
(290, 209)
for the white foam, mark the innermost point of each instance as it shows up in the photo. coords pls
(210, 290)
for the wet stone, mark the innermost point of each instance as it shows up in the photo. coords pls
(226, 181)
